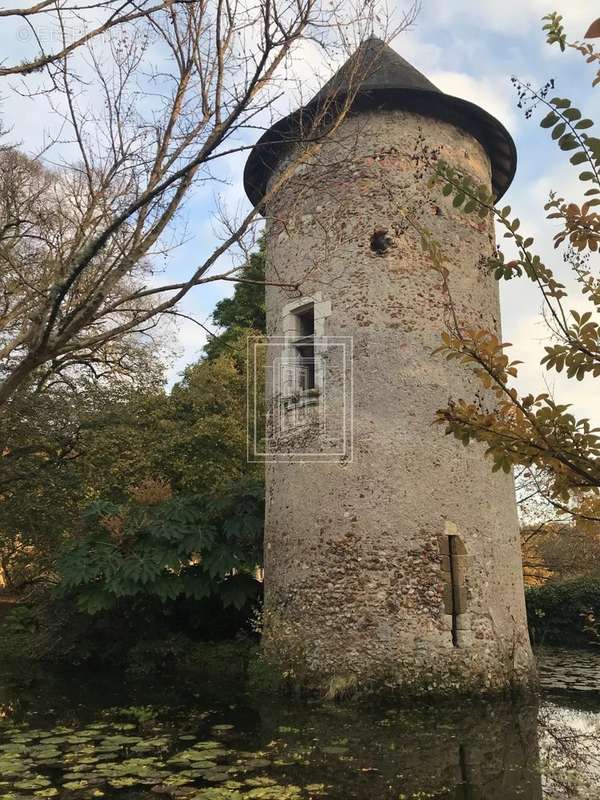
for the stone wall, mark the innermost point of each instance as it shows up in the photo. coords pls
(355, 549)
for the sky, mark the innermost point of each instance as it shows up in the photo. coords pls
(470, 49)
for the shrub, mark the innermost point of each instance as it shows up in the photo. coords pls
(20, 620)
(142, 634)
(263, 677)
(157, 656)
(566, 613)
(166, 547)
(220, 662)
(18, 633)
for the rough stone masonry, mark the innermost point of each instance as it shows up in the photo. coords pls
(397, 565)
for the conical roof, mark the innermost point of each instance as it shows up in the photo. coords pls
(377, 77)
(380, 68)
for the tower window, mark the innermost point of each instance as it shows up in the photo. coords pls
(306, 321)
(304, 346)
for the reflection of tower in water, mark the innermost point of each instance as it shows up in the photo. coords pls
(476, 752)
(496, 757)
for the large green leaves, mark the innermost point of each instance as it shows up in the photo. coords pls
(567, 127)
(182, 546)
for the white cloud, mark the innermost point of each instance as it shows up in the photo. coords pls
(530, 337)
(425, 56)
(513, 17)
(485, 92)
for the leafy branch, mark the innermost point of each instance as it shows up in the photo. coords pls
(535, 431)
(470, 197)
(555, 34)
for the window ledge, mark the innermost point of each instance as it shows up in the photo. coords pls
(309, 397)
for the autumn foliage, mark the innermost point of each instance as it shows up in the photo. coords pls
(537, 431)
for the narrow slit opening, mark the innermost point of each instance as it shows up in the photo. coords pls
(452, 552)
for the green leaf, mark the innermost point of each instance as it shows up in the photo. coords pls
(586, 176)
(549, 120)
(560, 102)
(584, 123)
(458, 200)
(578, 158)
(559, 130)
(237, 590)
(568, 142)
(572, 114)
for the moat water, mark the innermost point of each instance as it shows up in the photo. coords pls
(72, 736)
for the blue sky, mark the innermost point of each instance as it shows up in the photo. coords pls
(472, 49)
(468, 48)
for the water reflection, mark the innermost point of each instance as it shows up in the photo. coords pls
(132, 742)
(477, 752)
(569, 734)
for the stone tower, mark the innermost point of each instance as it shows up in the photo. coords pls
(392, 552)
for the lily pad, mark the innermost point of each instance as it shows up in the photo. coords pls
(215, 775)
(121, 783)
(260, 782)
(256, 763)
(38, 782)
(157, 743)
(177, 780)
(276, 792)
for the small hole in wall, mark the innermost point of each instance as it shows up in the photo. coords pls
(380, 241)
